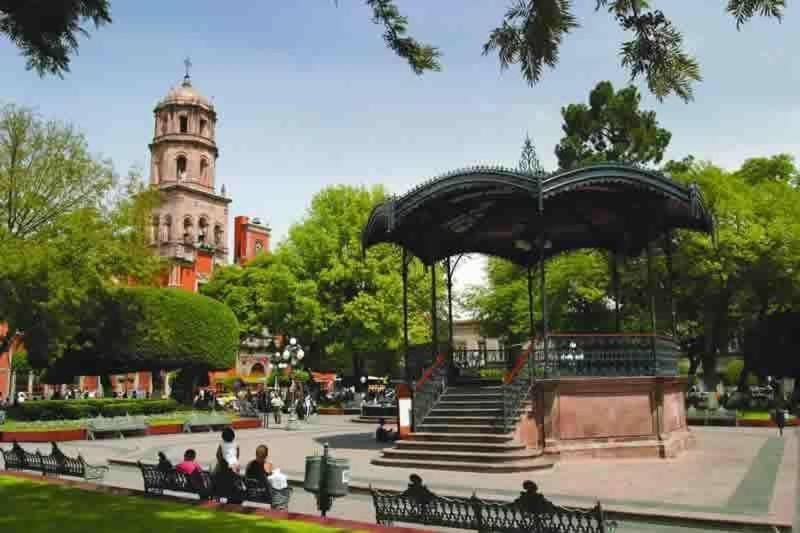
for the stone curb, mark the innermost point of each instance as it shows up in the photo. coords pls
(613, 512)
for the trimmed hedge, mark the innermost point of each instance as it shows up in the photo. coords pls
(74, 409)
(147, 328)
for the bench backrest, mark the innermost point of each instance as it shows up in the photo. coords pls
(13, 459)
(484, 515)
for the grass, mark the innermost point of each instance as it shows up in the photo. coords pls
(36, 507)
(178, 417)
(757, 415)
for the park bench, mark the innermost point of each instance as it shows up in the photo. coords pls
(57, 463)
(116, 425)
(417, 505)
(202, 420)
(163, 476)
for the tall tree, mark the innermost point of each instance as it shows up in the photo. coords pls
(318, 286)
(530, 34)
(610, 128)
(46, 171)
(47, 32)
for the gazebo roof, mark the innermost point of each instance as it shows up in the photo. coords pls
(496, 211)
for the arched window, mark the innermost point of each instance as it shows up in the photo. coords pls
(154, 231)
(188, 229)
(180, 167)
(163, 121)
(203, 124)
(218, 234)
(166, 229)
(203, 168)
(257, 370)
(184, 124)
(202, 230)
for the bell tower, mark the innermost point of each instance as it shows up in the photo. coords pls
(191, 224)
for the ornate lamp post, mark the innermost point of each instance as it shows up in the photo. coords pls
(292, 356)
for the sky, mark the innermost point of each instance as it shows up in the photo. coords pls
(309, 96)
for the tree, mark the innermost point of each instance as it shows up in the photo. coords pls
(46, 171)
(749, 269)
(530, 34)
(47, 32)
(317, 286)
(51, 280)
(610, 128)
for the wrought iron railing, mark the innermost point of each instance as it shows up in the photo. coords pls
(479, 359)
(429, 388)
(607, 355)
(517, 386)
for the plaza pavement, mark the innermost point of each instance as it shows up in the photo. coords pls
(747, 476)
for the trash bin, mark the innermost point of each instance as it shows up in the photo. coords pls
(337, 480)
(313, 473)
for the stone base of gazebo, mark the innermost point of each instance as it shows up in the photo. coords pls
(620, 417)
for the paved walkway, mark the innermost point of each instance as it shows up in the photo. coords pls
(741, 474)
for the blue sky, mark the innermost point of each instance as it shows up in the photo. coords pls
(308, 95)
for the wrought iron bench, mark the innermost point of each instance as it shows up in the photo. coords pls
(209, 421)
(157, 479)
(117, 425)
(57, 463)
(418, 505)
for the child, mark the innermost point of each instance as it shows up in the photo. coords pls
(230, 452)
(189, 465)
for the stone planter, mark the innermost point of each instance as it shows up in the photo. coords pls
(246, 423)
(57, 435)
(165, 429)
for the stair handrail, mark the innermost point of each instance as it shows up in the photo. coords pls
(517, 386)
(429, 388)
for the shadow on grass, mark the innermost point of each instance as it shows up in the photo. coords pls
(352, 441)
(34, 507)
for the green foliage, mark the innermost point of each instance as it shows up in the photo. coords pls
(610, 128)
(74, 409)
(48, 46)
(145, 328)
(420, 57)
(752, 380)
(732, 372)
(19, 362)
(492, 373)
(318, 287)
(683, 367)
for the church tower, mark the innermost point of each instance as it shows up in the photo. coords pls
(191, 224)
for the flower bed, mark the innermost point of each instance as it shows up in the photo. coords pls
(165, 429)
(53, 435)
(246, 423)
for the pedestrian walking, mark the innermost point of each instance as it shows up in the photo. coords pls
(780, 419)
(276, 404)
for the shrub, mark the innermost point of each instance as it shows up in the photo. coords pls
(74, 409)
(492, 373)
(683, 367)
(147, 328)
(733, 372)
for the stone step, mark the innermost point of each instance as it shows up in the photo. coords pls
(461, 456)
(468, 404)
(458, 446)
(462, 420)
(454, 429)
(447, 411)
(523, 465)
(491, 438)
(460, 397)
(389, 420)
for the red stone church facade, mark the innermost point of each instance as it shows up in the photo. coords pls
(190, 226)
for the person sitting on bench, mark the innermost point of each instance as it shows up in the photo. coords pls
(384, 435)
(532, 500)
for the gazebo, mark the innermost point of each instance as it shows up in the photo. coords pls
(598, 394)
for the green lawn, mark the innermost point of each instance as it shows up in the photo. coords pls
(35, 507)
(757, 415)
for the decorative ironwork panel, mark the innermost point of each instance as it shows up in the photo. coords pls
(573, 355)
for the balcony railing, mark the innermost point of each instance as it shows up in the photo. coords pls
(601, 354)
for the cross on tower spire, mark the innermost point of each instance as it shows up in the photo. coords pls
(188, 64)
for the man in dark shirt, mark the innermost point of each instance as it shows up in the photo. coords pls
(259, 468)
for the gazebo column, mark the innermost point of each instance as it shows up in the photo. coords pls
(405, 316)
(531, 327)
(450, 268)
(543, 289)
(615, 289)
(651, 284)
(670, 285)
(434, 321)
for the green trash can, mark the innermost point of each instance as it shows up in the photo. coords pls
(337, 481)
(313, 475)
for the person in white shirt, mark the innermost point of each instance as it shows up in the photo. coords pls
(230, 452)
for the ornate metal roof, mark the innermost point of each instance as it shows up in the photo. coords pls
(505, 212)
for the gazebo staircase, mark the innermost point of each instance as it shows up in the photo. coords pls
(467, 430)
